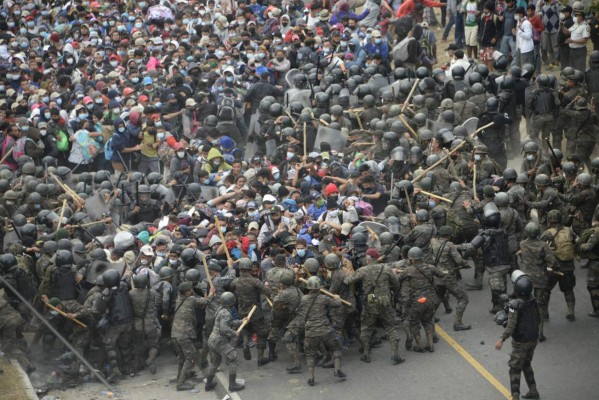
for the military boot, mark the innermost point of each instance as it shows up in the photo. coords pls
(529, 376)
(532, 393)
(496, 303)
(448, 309)
(272, 354)
(295, 365)
(365, 353)
(417, 347)
(395, 357)
(247, 354)
(261, 359)
(150, 360)
(179, 369)
(458, 325)
(204, 356)
(570, 302)
(233, 385)
(184, 385)
(311, 381)
(429, 342)
(515, 384)
(337, 372)
(210, 384)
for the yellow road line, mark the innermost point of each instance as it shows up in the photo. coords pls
(475, 364)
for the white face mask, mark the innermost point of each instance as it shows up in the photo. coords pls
(530, 157)
(180, 154)
(334, 213)
(477, 157)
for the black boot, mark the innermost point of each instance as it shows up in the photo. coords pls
(210, 384)
(233, 385)
(272, 354)
(246, 353)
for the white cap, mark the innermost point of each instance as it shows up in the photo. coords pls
(147, 250)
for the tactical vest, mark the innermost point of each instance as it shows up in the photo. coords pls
(527, 328)
(592, 80)
(120, 307)
(63, 284)
(496, 252)
(543, 102)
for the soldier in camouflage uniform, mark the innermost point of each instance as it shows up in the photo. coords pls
(221, 282)
(423, 298)
(587, 248)
(510, 222)
(340, 317)
(146, 328)
(184, 332)
(285, 305)
(523, 326)
(582, 132)
(464, 109)
(387, 242)
(11, 324)
(248, 291)
(547, 199)
(319, 332)
(582, 201)
(534, 258)
(222, 342)
(446, 257)
(273, 277)
(379, 290)
(421, 234)
(561, 240)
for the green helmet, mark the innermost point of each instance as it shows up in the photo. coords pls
(227, 299)
(287, 277)
(532, 230)
(312, 265)
(10, 195)
(415, 253)
(192, 275)
(332, 261)
(554, 216)
(313, 283)
(445, 231)
(245, 264)
(386, 238)
(166, 272)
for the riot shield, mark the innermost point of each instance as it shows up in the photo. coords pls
(209, 193)
(290, 75)
(336, 138)
(10, 238)
(251, 148)
(167, 194)
(433, 126)
(394, 88)
(254, 127)
(376, 227)
(377, 83)
(303, 96)
(98, 267)
(271, 147)
(470, 124)
(96, 207)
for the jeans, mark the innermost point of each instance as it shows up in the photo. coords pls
(443, 13)
(508, 45)
(449, 25)
(460, 35)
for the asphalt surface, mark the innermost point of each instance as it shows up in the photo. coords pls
(565, 365)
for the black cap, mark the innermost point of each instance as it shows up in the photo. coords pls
(519, 10)
(452, 46)
(567, 9)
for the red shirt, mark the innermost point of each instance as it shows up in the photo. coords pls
(409, 5)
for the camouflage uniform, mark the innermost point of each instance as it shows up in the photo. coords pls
(423, 300)
(587, 248)
(222, 342)
(183, 333)
(547, 200)
(284, 307)
(11, 324)
(582, 201)
(421, 235)
(379, 289)
(247, 290)
(340, 316)
(512, 225)
(146, 328)
(534, 258)
(445, 256)
(582, 133)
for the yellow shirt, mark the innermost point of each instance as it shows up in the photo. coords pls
(147, 145)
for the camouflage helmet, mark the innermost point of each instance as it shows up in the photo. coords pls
(10, 195)
(386, 238)
(332, 261)
(554, 216)
(287, 277)
(502, 199)
(445, 231)
(415, 253)
(245, 264)
(141, 280)
(313, 283)
(166, 273)
(192, 275)
(532, 230)
(227, 299)
(312, 265)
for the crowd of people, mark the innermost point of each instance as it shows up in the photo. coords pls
(210, 175)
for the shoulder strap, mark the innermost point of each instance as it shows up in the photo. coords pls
(179, 306)
(425, 277)
(310, 307)
(438, 256)
(377, 280)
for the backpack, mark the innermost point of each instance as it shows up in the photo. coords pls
(562, 244)
(62, 143)
(426, 44)
(364, 207)
(19, 149)
(108, 152)
(400, 51)
(226, 109)
(339, 216)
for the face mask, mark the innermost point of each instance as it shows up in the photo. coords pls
(160, 136)
(161, 253)
(25, 128)
(516, 18)
(343, 43)
(276, 176)
(431, 203)
(54, 312)
(530, 157)
(114, 63)
(477, 157)
(43, 132)
(135, 79)
(289, 155)
(180, 154)
(37, 206)
(223, 229)
(121, 130)
(158, 123)
(320, 202)
(143, 262)
(334, 213)
(172, 262)
(17, 12)
(45, 99)
(186, 21)
(230, 79)
(301, 252)
(206, 181)
(216, 162)
(23, 31)
(378, 41)
(258, 65)
(116, 110)
(59, 101)
(83, 116)
(562, 16)
(10, 203)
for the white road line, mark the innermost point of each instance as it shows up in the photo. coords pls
(224, 380)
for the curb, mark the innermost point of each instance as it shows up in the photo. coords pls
(27, 388)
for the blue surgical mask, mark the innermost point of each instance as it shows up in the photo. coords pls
(431, 203)
(161, 253)
(223, 229)
(160, 136)
(206, 181)
(301, 252)
(378, 40)
(83, 116)
(289, 155)
(230, 79)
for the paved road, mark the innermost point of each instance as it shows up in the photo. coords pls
(565, 365)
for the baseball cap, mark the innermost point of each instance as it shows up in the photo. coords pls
(146, 250)
(253, 225)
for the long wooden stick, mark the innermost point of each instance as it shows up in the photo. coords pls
(64, 205)
(8, 153)
(269, 301)
(75, 320)
(68, 190)
(405, 190)
(207, 271)
(249, 317)
(326, 292)
(305, 142)
(442, 160)
(402, 119)
(474, 180)
(222, 238)
(372, 233)
(405, 103)
(445, 199)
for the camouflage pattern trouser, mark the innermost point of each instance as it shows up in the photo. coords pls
(259, 326)
(331, 343)
(593, 283)
(422, 314)
(219, 348)
(454, 289)
(117, 341)
(186, 354)
(520, 361)
(11, 324)
(387, 316)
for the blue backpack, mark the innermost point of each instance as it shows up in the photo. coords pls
(108, 152)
